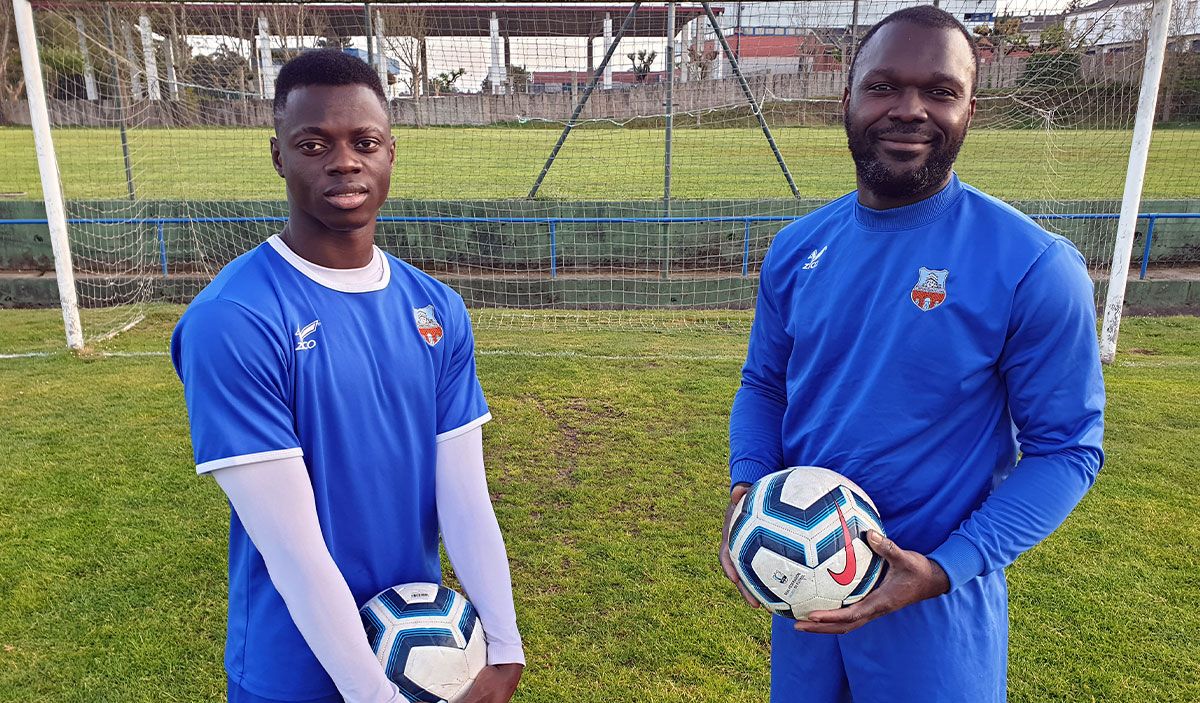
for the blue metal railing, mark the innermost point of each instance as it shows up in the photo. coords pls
(1151, 217)
(553, 222)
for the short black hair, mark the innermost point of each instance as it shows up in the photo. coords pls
(324, 67)
(923, 16)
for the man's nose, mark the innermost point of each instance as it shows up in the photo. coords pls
(909, 107)
(344, 159)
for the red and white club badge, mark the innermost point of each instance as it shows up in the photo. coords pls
(427, 325)
(930, 290)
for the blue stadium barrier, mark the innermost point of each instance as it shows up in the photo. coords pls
(553, 222)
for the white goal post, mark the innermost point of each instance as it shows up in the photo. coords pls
(56, 211)
(1135, 176)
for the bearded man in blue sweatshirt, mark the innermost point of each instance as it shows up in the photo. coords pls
(937, 347)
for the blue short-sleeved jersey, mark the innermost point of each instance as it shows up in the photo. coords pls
(361, 383)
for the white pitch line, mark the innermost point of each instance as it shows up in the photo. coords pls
(43, 355)
(1157, 364)
(520, 354)
(482, 352)
(607, 357)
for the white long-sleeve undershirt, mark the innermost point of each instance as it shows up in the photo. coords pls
(474, 543)
(274, 501)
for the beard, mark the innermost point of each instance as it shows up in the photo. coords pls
(880, 178)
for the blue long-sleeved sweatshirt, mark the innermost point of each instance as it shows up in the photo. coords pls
(919, 351)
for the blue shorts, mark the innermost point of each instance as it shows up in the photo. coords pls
(947, 649)
(237, 694)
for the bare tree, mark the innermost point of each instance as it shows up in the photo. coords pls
(701, 61)
(519, 78)
(1181, 69)
(12, 78)
(407, 28)
(290, 21)
(60, 58)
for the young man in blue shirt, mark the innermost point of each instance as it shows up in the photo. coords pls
(918, 336)
(332, 394)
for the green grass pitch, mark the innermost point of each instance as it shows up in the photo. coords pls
(608, 473)
(607, 164)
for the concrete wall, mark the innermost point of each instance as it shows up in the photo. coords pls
(723, 95)
(526, 246)
(450, 246)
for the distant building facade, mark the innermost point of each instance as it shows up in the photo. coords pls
(1116, 26)
(815, 36)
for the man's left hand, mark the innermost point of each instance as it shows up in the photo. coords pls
(495, 684)
(911, 577)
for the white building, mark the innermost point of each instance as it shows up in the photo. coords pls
(1115, 25)
(773, 17)
(817, 35)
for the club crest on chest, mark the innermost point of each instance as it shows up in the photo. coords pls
(427, 325)
(930, 290)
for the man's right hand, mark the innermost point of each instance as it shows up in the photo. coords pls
(726, 561)
(495, 684)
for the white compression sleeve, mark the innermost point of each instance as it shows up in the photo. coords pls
(474, 544)
(274, 500)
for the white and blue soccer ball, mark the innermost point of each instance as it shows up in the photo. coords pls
(428, 639)
(798, 541)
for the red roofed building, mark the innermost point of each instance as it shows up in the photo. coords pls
(783, 53)
(560, 81)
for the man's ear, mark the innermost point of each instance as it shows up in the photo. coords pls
(845, 100)
(392, 152)
(276, 158)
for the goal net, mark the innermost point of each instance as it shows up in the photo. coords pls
(551, 186)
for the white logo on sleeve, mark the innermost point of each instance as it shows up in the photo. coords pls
(302, 334)
(814, 258)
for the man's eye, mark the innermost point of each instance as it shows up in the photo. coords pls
(879, 87)
(368, 143)
(310, 147)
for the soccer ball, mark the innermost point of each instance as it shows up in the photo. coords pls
(798, 541)
(428, 639)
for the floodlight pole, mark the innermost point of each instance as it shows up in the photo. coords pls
(854, 34)
(587, 93)
(1143, 128)
(737, 72)
(89, 76)
(670, 128)
(370, 33)
(56, 212)
(119, 94)
(670, 105)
